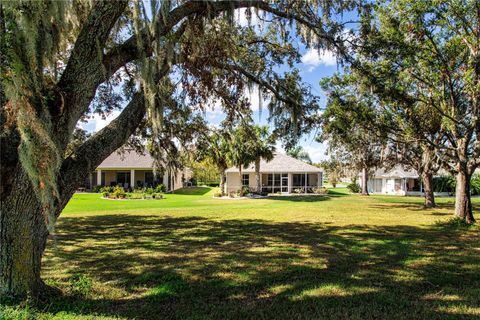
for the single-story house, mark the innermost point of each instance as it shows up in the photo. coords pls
(396, 181)
(129, 168)
(283, 174)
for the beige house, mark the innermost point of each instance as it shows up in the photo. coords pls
(283, 174)
(130, 168)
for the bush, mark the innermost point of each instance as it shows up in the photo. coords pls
(475, 184)
(149, 191)
(299, 190)
(119, 193)
(444, 184)
(217, 194)
(160, 188)
(106, 189)
(157, 196)
(245, 190)
(354, 187)
(105, 194)
(320, 190)
(97, 189)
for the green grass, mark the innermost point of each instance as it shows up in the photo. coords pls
(190, 256)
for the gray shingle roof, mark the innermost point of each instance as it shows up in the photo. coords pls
(129, 159)
(280, 163)
(396, 172)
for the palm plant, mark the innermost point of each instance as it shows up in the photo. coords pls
(263, 147)
(216, 147)
(299, 153)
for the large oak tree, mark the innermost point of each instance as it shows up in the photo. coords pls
(58, 56)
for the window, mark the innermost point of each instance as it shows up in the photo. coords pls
(123, 178)
(245, 180)
(151, 180)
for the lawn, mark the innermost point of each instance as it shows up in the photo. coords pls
(308, 257)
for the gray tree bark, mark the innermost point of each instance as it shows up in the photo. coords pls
(463, 202)
(365, 181)
(427, 180)
(257, 176)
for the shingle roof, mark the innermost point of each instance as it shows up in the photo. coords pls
(396, 172)
(280, 163)
(128, 159)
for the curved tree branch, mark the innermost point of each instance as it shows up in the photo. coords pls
(84, 69)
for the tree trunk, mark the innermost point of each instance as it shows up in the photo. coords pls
(463, 203)
(222, 182)
(257, 175)
(365, 181)
(427, 180)
(23, 235)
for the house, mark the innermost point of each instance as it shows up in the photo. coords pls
(129, 168)
(283, 174)
(395, 181)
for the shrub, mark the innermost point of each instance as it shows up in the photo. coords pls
(245, 190)
(354, 187)
(106, 189)
(97, 189)
(217, 194)
(118, 192)
(475, 184)
(105, 194)
(215, 184)
(299, 190)
(157, 196)
(444, 184)
(139, 190)
(149, 191)
(320, 190)
(160, 188)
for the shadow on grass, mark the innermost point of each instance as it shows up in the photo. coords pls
(196, 268)
(193, 191)
(300, 198)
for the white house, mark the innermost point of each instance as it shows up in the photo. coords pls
(396, 181)
(130, 168)
(282, 174)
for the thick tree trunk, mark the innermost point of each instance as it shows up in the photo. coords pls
(427, 180)
(222, 182)
(257, 176)
(365, 181)
(23, 235)
(463, 203)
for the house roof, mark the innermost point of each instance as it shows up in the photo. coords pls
(280, 163)
(127, 159)
(396, 172)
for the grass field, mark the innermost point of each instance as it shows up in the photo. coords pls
(319, 257)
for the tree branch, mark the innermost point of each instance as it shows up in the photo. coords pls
(84, 70)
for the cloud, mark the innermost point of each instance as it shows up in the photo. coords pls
(242, 20)
(97, 123)
(316, 152)
(254, 98)
(313, 58)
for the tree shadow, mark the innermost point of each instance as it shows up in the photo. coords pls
(197, 268)
(300, 198)
(193, 191)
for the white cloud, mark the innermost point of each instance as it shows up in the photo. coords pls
(254, 98)
(316, 152)
(242, 20)
(313, 58)
(98, 123)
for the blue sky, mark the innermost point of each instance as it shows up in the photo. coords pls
(313, 67)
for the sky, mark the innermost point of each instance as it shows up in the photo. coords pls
(313, 67)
